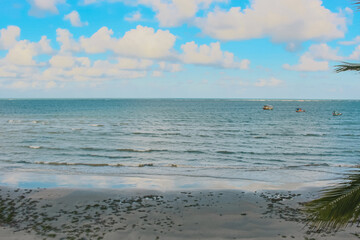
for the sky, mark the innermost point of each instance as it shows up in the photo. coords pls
(283, 49)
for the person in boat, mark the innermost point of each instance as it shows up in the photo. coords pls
(300, 110)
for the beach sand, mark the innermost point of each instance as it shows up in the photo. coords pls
(29, 214)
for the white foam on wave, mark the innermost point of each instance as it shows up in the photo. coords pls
(35, 147)
(96, 125)
(12, 121)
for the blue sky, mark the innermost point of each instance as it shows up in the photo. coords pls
(178, 48)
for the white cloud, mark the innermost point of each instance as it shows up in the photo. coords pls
(157, 73)
(316, 52)
(133, 17)
(141, 42)
(130, 63)
(69, 68)
(169, 67)
(39, 7)
(43, 46)
(51, 84)
(65, 38)
(74, 19)
(145, 42)
(99, 42)
(324, 52)
(356, 54)
(281, 20)
(356, 40)
(308, 64)
(175, 12)
(8, 37)
(23, 52)
(272, 82)
(66, 61)
(170, 13)
(210, 55)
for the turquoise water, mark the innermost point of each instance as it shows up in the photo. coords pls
(176, 142)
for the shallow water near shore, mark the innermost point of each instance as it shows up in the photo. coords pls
(177, 143)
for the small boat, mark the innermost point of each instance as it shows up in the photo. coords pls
(300, 110)
(335, 113)
(268, 107)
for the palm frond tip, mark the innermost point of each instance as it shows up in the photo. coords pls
(347, 67)
(338, 207)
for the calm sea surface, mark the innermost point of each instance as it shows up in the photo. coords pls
(176, 143)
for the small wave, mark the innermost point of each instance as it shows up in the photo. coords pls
(140, 151)
(103, 156)
(146, 165)
(35, 147)
(171, 134)
(11, 121)
(92, 149)
(314, 135)
(310, 165)
(225, 152)
(143, 133)
(194, 151)
(259, 137)
(202, 135)
(80, 164)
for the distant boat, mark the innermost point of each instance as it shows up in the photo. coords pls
(300, 110)
(335, 113)
(268, 107)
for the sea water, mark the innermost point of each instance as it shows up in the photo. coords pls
(177, 143)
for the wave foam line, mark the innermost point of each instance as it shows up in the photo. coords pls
(80, 164)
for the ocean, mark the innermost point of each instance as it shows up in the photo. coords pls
(177, 143)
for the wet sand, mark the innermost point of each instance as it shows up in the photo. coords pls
(29, 214)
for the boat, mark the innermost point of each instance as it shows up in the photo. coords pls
(268, 107)
(300, 110)
(335, 113)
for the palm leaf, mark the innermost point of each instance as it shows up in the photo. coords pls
(338, 207)
(357, 3)
(345, 66)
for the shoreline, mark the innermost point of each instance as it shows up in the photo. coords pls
(72, 213)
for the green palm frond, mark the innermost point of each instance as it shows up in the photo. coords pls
(345, 66)
(357, 3)
(338, 207)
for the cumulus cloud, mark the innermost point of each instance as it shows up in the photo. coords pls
(8, 37)
(145, 42)
(41, 7)
(133, 17)
(308, 61)
(175, 12)
(68, 61)
(324, 52)
(141, 42)
(100, 70)
(131, 63)
(210, 55)
(280, 20)
(74, 19)
(356, 54)
(99, 42)
(356, 40)
(272, 82)
(169, 67)
(308, 64)
(23, 52)
(170, 13)
(65, 38)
